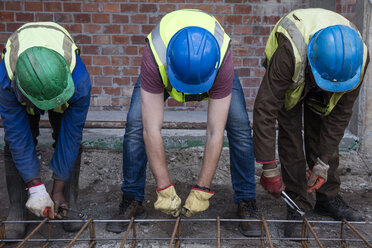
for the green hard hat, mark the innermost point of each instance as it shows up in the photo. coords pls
(44, 77)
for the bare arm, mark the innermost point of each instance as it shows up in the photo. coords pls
(216, 121)
(152, 108)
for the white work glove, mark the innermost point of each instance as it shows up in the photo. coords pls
(39, 201)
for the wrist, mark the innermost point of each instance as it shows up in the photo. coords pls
(33, 182)
(271, 173)
(269, 166)
(196, 186)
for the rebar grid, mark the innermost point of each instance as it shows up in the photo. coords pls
(176, 238)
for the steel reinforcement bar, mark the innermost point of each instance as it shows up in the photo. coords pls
(176, 238)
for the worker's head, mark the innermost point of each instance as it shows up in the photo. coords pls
(193, 58)
(335, 55)
(44, 77)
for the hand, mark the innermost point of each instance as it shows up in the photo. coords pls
(317, 176)
(59, 204)
(272, 181)
(168, 201)
(39, 202)
(197, 201)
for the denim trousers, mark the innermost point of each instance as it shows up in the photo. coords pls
(239, 135)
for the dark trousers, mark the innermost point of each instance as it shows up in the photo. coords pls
(297, 151)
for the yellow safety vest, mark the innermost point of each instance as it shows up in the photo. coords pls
(298, 27)
(169, 25)
(43, 34)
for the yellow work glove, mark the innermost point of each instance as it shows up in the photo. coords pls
(197, 201)
(168, 201)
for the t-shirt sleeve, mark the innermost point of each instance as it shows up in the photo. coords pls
(222, 86)
(149, 75)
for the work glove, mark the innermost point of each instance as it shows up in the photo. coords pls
(272, 181)
(39, 201)
(317, 176)
(197, 201)
(168, 201)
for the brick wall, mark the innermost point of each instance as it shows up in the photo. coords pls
(111, 37)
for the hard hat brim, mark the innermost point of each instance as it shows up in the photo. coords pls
(332, 86)
(54, 102)
(189, 88)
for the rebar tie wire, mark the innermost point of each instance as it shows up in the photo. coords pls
(176, 234)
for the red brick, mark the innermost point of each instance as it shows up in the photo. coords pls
(122, 81)
(258, 51)
(166, 8)
(127, 91)
(120, 39)
(112, 91)
(110, 50)
(138, 39)
(95, 70)
(250, 82)
(240, 51)
(120, 18)
(112, 7)
(13, 6)
(2, 28)
(52, 6)
(233, 19)
(6, 16)
(270, 19)
(253, 40)
(101, 60)
(250, 62)
(120, 101)
(84, 18)
(135, 61)
(62, 17)
(111, 71)
(131, 50)
(258, 72)
(128, 7)
(146, 29)
(101, 39)
(3, 39)
(131, 29)
(33, 6)
(238, 30)
(96, 90)
(243, 72)
(242, 9)
(83, 39)
(204, 7)
(74, 28)
(148, 8)
(237, 61)
(260, 30)
(120, 60)
(92, 28)
(235, 1)
(11, 26)
(223, 9)
(87, 60)
(72, 7)
(44, 17)
(155, 19)
(89, 49)
(112, 29)
(133, 70)
(251, 19)
(219, 19)
(91, 7)
(25, 17)
(100, 100)
(102, 81)
(139, 19)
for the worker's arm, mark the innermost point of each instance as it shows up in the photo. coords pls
(216, 122)
(17, 130)
(152, 108)
(269, 101)
(73, 121)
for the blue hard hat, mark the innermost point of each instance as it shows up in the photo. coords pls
(193, 58)
(335, 55)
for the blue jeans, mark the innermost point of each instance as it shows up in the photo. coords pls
(238, 133)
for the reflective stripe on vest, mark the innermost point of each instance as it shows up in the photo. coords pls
(159, 38)
(44, 34)
(298, 27)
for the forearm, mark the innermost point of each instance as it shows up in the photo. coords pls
(156, 156)
(212, 154)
